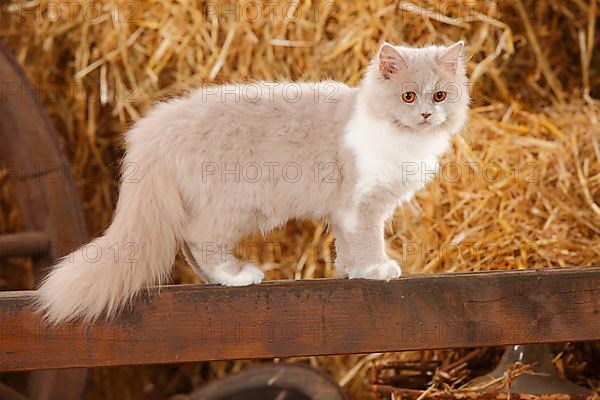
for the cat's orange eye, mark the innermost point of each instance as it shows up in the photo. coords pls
(439, 96)
(409, 97)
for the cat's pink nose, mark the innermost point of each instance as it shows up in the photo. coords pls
(426, 115)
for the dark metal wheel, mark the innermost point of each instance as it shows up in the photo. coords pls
(272, 382)
(52, 215)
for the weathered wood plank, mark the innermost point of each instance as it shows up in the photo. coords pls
(24, 244)
(278, 319)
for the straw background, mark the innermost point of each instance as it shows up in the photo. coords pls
(519, 189)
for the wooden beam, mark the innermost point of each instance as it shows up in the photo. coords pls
(24, 244)
(278, 319)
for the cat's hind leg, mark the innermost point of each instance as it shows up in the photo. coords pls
(234, 273)
(217, 265)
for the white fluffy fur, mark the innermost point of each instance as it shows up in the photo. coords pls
(385, 158)
(102, 276)
(382, 149)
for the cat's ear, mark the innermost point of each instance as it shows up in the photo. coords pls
(450, 58)
(390, 60)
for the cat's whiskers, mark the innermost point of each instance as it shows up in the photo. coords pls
(401, 125)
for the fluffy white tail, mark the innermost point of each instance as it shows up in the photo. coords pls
(137, 249)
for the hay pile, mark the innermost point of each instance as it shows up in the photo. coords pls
(521, 188)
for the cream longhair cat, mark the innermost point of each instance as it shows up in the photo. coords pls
(230, 160)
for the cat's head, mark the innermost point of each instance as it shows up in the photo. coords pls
(418, 89)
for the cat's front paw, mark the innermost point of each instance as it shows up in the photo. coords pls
(382, 272)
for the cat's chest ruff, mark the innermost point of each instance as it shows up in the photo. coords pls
(397, 162)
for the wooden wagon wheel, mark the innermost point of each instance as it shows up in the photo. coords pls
(52, 215)
(277, 381)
